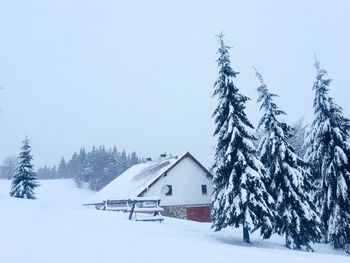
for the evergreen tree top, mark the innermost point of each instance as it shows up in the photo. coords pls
(321, 84)
(329, 118)
(62, 162)
(271, 110)
(231, 103)
(324, 105)
(25, 153)
(26, 144)
(224, 58)
(322, 102)
(275, 133)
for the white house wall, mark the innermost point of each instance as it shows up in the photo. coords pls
(186, 179)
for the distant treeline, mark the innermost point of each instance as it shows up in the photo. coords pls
(93, 169)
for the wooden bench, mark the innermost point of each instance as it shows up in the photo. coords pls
(159, 218)
(116, 205)
(146, 206)
(140, 208)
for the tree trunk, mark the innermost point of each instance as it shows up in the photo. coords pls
(325, 237)
(246, 237)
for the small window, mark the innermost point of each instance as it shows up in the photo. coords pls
(169, 190)
(204, 189)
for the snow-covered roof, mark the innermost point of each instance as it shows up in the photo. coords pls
(136, 179)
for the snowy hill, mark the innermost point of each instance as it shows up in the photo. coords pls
(56, 228)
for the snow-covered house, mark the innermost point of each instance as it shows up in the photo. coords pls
(182, 183)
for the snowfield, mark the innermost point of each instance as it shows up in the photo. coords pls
(57, 228)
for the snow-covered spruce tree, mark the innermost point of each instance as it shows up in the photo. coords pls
(239, 194)
(296, 216)
(328, 149)
(25, 179)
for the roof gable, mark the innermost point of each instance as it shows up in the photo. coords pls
(137, 179)
(195, 161)
(187, 155)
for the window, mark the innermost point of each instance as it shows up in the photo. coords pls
(169, 190)
(204, 189)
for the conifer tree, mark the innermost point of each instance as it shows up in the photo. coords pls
(296, 216)
(98, 167)
(239, 194)
(72, 167)
(62, 169)
(328, 149)
(25, 179)
(83, 172)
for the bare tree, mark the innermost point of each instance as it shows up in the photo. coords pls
(297, 137)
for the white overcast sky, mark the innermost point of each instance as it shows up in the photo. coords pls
(140, 74)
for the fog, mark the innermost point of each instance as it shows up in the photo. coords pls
(140, 74)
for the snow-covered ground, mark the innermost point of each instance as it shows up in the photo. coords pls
(56, 228)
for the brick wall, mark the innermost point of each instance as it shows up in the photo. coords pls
(199, 213)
